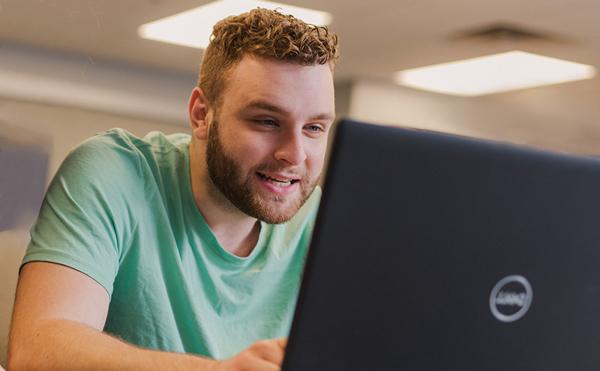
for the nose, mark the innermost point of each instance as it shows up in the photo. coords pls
(291, 149)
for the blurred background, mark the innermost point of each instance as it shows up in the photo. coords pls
(72, 68)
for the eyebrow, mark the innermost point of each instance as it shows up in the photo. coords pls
(260, 104)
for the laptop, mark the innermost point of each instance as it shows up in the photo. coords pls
(439, 252)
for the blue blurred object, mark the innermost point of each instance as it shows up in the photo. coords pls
(23, 172)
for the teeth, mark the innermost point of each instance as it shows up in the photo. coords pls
(279, 183)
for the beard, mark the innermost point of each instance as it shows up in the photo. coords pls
(225, 172)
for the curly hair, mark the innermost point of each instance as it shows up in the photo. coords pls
(264, 33)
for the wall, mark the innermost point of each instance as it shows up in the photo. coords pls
(520, 117)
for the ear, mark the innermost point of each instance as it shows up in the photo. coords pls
(198, 110)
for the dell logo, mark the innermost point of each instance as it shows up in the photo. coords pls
(511, 298)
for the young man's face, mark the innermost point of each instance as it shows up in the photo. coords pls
(267, 141)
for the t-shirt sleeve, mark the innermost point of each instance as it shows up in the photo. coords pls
(85, 221)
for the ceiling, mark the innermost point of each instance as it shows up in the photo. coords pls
(377, 38)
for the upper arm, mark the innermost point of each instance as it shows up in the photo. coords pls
(48, 291)
(88, 215)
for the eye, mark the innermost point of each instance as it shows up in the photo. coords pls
(266, 122)
(315, 129)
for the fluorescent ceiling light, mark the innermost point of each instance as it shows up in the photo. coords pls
(494, 73)
(193, 27)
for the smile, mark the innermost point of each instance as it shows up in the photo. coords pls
(278, 182)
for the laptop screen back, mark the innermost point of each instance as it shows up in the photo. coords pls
(438, 252)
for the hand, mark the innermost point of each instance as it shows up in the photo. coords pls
(264, 355)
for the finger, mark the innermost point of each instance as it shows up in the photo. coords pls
(270, 350)
(282, 342)
(259, 364)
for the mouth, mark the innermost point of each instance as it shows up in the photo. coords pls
(278, 181)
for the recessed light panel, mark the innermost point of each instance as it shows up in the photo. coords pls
(193, 27)
(494, 73)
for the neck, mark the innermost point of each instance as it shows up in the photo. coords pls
(236, 232)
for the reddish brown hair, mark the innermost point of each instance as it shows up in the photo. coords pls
(264, 33)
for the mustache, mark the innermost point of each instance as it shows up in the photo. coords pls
(273, 168)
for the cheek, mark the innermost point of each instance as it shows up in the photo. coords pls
(250, 150)
(316, 158)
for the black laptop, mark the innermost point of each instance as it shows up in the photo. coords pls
(440, 252)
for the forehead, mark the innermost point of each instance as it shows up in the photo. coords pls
(290, 86)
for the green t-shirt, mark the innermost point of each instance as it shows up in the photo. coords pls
(121, 210)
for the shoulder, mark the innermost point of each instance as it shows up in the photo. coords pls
(107, 149)
(119, 150)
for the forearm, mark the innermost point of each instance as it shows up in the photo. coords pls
(68, 345)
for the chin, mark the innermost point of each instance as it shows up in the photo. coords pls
(276, 217)
(278, 213)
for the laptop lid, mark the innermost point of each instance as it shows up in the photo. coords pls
(440, 252)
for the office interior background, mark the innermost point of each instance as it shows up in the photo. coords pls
(72, 68)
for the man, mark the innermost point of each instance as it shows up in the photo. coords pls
(186, 253)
